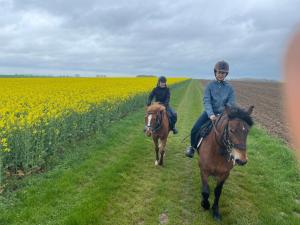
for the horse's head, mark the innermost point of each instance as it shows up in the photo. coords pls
(153, 118)
(235, 133)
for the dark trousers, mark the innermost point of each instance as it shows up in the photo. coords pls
(172, 116)
(201, 120)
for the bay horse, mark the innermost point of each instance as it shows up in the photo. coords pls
(221, 149)
(157, 126)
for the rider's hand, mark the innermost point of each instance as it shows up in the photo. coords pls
(213, 117)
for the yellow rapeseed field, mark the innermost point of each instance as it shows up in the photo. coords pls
(26, 101)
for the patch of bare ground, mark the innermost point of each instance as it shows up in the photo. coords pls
(163, 218)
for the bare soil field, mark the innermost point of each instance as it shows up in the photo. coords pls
(267, 98)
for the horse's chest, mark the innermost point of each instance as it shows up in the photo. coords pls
(219, 167)
(220, 172)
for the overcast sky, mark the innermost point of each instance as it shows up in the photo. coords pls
(165, 37)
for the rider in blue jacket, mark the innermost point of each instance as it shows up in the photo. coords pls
(217, 95)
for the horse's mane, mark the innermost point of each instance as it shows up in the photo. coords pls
(236, 112)
(156, 107)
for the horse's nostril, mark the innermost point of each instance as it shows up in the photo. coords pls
(240, 162)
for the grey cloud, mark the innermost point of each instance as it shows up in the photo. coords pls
(133, 37)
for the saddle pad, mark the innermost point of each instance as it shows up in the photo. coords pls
(204, 130)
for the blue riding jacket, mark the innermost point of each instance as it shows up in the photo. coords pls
(217, 95)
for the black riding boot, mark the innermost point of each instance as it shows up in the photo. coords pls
(172, 127)
(190, 152)
(175, 131)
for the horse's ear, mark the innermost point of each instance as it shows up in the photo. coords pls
(250, 110)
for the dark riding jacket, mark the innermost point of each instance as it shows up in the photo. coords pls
(161, 95)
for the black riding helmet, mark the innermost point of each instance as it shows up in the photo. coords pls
(221, 66)
(161, 79)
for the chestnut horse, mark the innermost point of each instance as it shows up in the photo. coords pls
(157, 126)
(221, 149)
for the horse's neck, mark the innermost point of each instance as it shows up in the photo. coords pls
(217, 142)
(165, 118)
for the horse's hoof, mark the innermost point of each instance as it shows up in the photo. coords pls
(156, 163)
(205, 204)
(216, 215)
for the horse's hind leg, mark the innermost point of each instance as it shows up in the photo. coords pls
(205, 191)
(156, 150)
(215, 207)
(162, 146)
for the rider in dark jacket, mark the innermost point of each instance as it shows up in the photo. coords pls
(217, 95)
(161, 93)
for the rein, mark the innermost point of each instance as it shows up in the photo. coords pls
(217, 133)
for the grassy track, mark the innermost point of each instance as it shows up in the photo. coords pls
(116, 182)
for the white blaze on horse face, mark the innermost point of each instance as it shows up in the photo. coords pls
(149, 120)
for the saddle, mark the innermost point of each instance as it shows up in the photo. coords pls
(203, 131)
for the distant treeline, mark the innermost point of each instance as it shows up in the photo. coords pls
(21, 76)
(146, 76)
(41, 76)
(38, 76)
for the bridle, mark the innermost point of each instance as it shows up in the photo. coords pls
(225, 141)
(158, 121)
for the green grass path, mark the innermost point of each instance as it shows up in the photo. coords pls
(116, 182)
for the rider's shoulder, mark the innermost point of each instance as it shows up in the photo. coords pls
(211, 84)
(226, 83)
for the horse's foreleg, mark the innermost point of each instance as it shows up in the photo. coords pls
(215, 207)
(156, 150)
(162, 146)
(205, 191)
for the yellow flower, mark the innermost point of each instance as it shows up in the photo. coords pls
(28, 101)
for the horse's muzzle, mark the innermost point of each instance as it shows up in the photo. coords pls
(148, 131)
(241, 162)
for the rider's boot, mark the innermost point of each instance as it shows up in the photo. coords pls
(190, 152)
